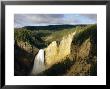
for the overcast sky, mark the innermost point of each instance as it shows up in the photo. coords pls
(21, 20)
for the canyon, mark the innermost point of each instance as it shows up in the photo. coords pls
(73, 54)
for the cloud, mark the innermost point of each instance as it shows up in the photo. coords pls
(21, 20)
(28, 19)
(90, 16)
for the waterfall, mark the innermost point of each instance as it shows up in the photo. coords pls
(39, 65)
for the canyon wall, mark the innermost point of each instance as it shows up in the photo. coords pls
(78, 48)
(28, 47)
(58, 50)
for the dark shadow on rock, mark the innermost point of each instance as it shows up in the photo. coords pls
(23, 62)
(58, 69)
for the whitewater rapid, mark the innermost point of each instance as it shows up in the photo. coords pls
(39, 65)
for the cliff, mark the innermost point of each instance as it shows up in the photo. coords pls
(28, 47)
(75, 54)
(57, 50)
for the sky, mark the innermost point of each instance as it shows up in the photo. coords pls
(21, 20)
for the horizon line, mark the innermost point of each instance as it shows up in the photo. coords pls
(56, 24)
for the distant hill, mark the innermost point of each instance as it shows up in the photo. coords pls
(50, 27)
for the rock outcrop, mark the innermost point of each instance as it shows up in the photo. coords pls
(28, 47)
(80, 55)
(84, 53)
(80, 52)
(58, 50)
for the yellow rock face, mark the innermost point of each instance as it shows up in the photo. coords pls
(85, 49)
(51, 53)
(56, 52)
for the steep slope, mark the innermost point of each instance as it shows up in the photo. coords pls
(84, 52)
(75, 54)
(23, 61)
(57, 50)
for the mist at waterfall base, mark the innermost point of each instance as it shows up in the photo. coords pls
(39, 65)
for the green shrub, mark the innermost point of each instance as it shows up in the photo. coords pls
(86, 32)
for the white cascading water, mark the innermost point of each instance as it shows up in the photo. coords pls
(39, 65)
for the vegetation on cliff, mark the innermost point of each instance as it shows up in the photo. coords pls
(81, 60)
(77, 53)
